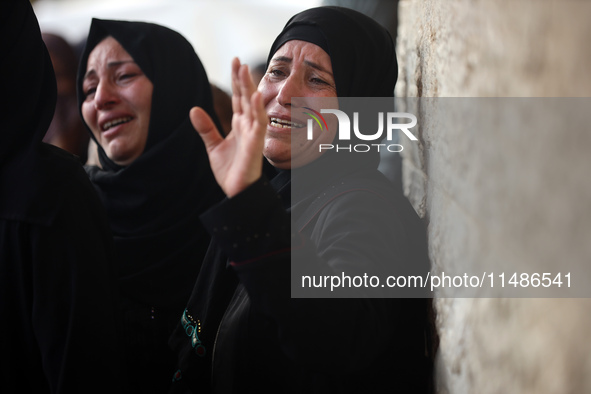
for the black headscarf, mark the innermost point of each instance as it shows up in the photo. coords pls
(154, 203)
(364, 65)
(29, 87)
(361, 50)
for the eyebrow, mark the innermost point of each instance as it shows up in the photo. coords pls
(109, 65)
(306, 62)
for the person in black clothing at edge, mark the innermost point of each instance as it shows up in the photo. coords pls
(57, 278)
(136, 84)
(241, 331)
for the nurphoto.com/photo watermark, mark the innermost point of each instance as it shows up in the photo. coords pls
(483, 132)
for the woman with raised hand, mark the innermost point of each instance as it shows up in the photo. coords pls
(136, 84)
(325, 212)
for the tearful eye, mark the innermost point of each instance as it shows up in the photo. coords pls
(127, 76)
(276, 73)
(90, 91)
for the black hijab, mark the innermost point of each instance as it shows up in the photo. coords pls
(28, 84)
(154, 203)
(364, 65)
(361, 50)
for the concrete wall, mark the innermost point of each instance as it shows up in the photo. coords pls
(510, 191)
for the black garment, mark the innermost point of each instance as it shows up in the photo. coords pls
(57, 279)
(242, 332)
(154, 203)
(258, 339)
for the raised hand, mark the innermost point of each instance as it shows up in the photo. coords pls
(237, 160)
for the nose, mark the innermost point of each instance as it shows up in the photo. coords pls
(105, 95)
(291, 87)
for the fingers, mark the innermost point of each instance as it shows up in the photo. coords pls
(236, 108)
(258, 111)
(249, 112)
(242, 86)
(247, 91)
(246, 83)
(202, 122)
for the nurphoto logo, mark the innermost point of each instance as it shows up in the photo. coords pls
(315, 115)
(391, 119)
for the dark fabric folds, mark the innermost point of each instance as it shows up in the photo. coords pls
(57, 281)
(28, 83)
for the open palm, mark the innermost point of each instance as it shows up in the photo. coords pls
(237, 160)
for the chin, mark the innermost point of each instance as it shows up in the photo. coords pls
(122, 160)
(283, 163)
(279, 158)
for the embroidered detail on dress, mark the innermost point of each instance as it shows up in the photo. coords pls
(193, 329)
(177, 376)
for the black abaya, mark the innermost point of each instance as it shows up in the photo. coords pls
(154, 203)
(57, 279)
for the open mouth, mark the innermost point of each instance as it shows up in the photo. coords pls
(116, 122)
(286, 124)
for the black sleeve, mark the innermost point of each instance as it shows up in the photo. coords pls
(250, 225)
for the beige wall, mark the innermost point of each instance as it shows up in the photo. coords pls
(511, 191)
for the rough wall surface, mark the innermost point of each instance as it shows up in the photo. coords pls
(511, 191)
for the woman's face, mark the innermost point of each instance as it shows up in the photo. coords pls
(297, 69)
(118, 101)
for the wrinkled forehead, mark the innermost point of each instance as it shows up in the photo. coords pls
(109, 49)
(303, 52)
(309, 34)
